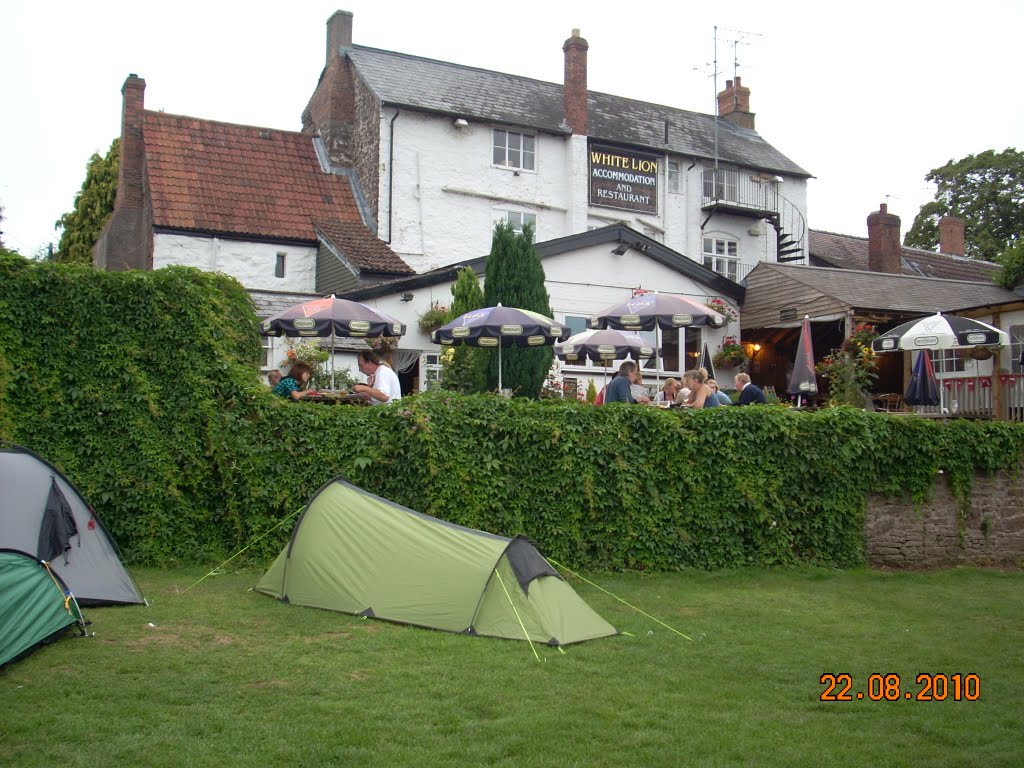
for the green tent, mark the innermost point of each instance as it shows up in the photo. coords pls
(35, 606)
(357, 553)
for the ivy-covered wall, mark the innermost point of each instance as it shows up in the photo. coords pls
(142, 387)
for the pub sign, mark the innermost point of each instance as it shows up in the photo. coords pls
(621, 178)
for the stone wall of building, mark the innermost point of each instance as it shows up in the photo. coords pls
(902, 535)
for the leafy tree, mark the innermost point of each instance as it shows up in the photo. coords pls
(1012, 261)
(465, 367)
(987, 192)
(93, 205)
(515, 278)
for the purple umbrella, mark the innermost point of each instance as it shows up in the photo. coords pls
(656, 310)
(500, 327)
(802, 380)
(332, 317)
(603, 347)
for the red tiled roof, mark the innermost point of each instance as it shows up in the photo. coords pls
(239, 179)
(368, 253)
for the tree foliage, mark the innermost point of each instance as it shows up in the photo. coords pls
(93, 205)
(987, 192)
(465, 367)
(515, 278)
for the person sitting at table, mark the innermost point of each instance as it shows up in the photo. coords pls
(274, 377)
(668, 391)
(295, 384)
(381, 382)
(619, 390)
(723, 399)
(749, 393)
(701, 395)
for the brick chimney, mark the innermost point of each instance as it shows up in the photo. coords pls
(339, 33)
(330, 112)
(575, 90)
(127, 240)
(884, 249)
(951, 236)
(734, 104)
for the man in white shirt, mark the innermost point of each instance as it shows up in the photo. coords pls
(381, 382)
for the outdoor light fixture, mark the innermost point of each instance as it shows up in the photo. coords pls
(406, 297)
(460, 122)
(620, 249)
(754, 350)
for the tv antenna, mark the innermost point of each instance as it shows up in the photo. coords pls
(738, 37)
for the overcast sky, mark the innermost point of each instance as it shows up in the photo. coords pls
(867, 97)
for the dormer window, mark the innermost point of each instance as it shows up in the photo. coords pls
(514, 150)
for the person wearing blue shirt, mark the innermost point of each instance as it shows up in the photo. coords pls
(749, 393)
(619, 389)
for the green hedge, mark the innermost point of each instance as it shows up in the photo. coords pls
(143, 388)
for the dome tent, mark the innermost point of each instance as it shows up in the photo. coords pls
(357, 553)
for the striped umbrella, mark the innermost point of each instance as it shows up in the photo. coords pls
(940, 331)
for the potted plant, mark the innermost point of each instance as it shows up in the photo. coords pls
(718, 305)
(434, 317)
(983, 351)
(731, 354)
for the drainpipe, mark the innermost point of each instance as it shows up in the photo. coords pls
(391, 172)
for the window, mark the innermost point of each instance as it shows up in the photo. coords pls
(1016, 348)
(520, 220)
(721, 184)
(947, 361)
(721, 256)
(673, 176)
(514, 150)
(431, 371)
(575, 324)
(268, 352)
(279, 265)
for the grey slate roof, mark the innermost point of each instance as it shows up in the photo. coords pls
(894, 293)
(477, 94)
(829, 249)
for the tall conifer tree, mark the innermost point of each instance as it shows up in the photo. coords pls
(466, 369)
(515, 278)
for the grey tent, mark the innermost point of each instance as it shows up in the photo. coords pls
(44, 515)
(35, 605)
(357, 553)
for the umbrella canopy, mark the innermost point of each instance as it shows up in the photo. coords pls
(940, 331)
(603, 346)
(656, 310)
(332, 317)
(923, 389)
(802, 380)
(500, 327)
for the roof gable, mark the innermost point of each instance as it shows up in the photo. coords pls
(457, 90)
(366, 252)
(239, 180)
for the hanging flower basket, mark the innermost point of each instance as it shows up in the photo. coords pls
(731, 354)
(433, 318)
(718, 305)
(983, 352)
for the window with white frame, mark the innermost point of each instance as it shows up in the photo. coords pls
(519, 220)
(721, 184)
(947, 361)
(673, 176)
(431, 371)
(268, 353)
(722, 256)
(1016, 348)
(514, 150)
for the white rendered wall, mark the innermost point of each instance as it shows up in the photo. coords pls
(252, 264)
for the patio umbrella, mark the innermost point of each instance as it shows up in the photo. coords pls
(332, 317)
(940, 331)
(500, 327)
(656, 312)
(802, 380)
(923, 389)
(603, 346)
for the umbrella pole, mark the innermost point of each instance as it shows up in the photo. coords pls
(332, 357)
(499, 366)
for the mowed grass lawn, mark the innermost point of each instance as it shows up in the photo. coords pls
(222, 676)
